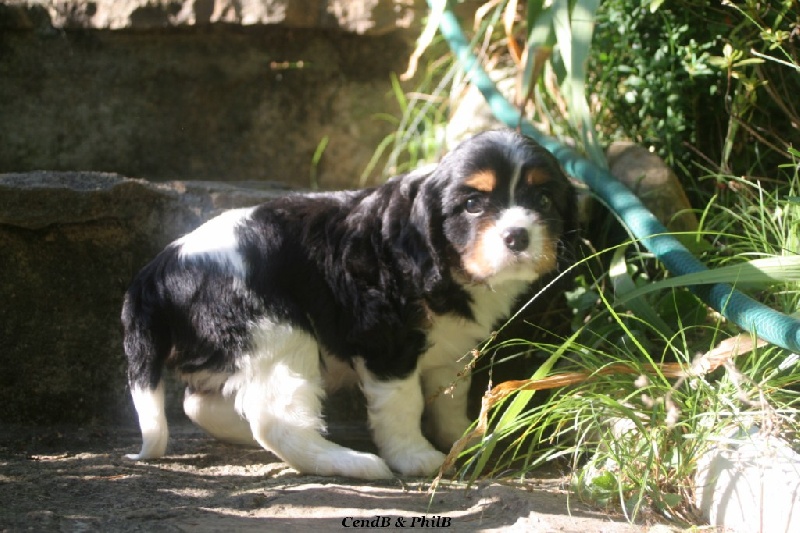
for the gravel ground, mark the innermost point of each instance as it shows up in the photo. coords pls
(76, 479)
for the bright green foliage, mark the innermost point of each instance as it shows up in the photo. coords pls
(751, 219)
(634, 438)
(701, 82)
(652, 75)
(713, 87)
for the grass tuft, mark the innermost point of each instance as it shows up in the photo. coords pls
(639, 403)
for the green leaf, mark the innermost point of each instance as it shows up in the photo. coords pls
(520, 401)
(758, 271)
(315, 159)
(575, 40)
(670, 499)
(623, 285)
(541, 38)
(751, 61)
(606, 481)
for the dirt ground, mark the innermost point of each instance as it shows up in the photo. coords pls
(76, 479)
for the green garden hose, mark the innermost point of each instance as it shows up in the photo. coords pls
(768, 324)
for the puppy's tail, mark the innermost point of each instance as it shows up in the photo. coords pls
(147, 345)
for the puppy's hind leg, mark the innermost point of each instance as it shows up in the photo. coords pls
(216, 414)
(281, 398)
(149, 404)
(147, 345)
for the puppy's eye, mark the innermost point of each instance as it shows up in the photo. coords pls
(544, 202)
(473, 206)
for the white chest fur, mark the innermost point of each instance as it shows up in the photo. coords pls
(452, 337)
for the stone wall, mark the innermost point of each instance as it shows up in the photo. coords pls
(356, 16)
(201, 89)
(215, 100)
(236, 92)
(71, 243)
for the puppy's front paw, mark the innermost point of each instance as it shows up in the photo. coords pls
(417, 463)
(354, 464)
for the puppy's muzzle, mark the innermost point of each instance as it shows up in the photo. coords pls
(516, 239)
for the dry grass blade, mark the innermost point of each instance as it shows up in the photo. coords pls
(425, 40)
(509, 17)
(726, 350)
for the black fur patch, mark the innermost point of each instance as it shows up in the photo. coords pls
(364, 272)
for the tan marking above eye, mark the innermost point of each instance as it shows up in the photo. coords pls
(537, 176)
(484, 180)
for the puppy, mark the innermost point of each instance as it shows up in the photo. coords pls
(261, 310)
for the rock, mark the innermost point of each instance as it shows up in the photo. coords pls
(362, 17)
(234, 100)
(654, 183)
(751, 482)
(71, 243)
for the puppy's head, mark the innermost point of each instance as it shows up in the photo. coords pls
(505, 208)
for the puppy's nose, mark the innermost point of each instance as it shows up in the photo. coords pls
(516, 239)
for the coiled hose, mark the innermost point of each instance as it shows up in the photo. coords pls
(752, 316)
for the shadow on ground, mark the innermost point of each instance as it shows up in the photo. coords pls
(77, 479)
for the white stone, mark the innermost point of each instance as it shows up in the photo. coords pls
(750, 483)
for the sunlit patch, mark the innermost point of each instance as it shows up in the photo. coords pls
(537, 176)
(484, 180)
(192, 492)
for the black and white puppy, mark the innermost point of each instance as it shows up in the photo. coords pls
(261, 310)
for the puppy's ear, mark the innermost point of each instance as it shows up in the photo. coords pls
(427, 220)
(415, 225)
(570, 242)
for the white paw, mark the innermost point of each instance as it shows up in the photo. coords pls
(152, 448)
(353, 464)
(418, 463)
(140, 456)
